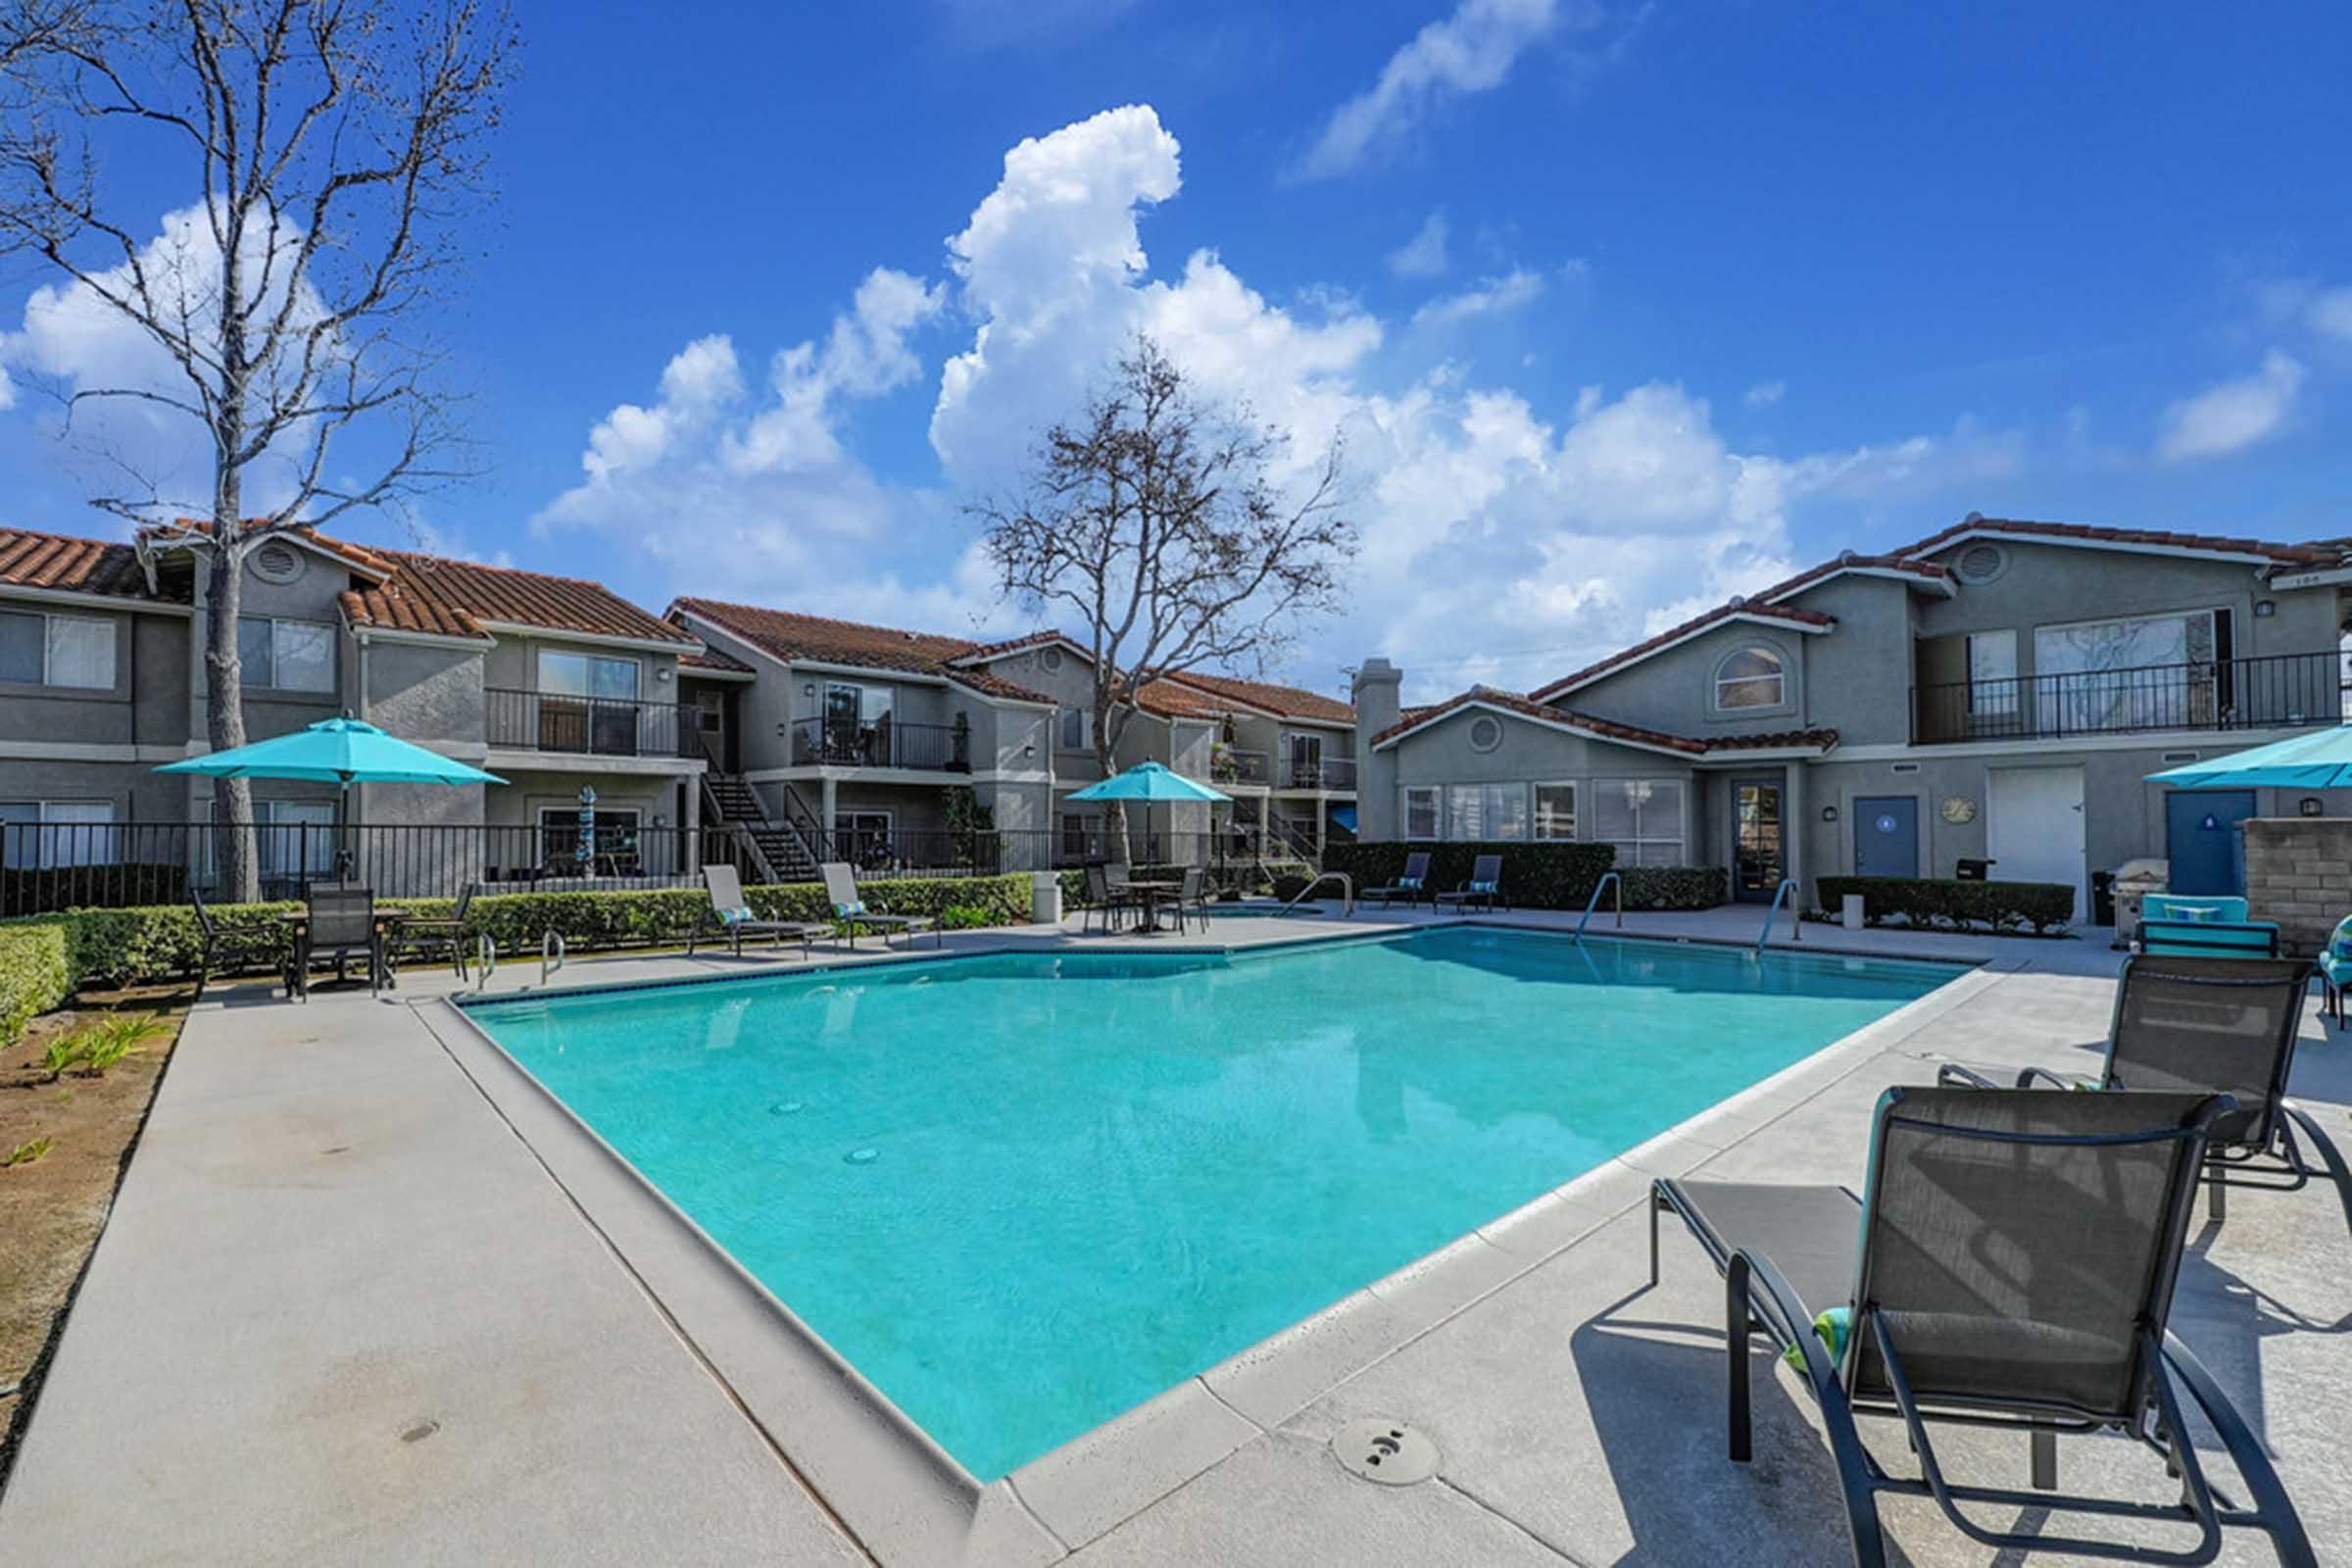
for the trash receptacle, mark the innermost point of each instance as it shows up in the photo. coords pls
(2102, 898)
(1045, 898)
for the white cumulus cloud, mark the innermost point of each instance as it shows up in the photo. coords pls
(2232, 415)
(1424, 255)
(1494, 296)
(2330, 314)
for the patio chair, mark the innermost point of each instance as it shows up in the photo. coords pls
(1192, 896)
(342, 923)
(841, 886)
(731, 912)
(435, 936)
(1484, 888)
(234, 949)
(2215, 1026)
(2014, 1268)
(1411, 887)
(2335, 967)
(1106, 899)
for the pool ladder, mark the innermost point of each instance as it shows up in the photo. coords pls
(485, 963)
(1594, 902)
(1347, 893)
(1796, 931)
(550, 954)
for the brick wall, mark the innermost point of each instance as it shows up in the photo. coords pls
(2299, 873)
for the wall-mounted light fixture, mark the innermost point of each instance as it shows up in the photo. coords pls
(2311, 806)
(2265, 608)
(810, 691)
(661, 672)
(1829, 814)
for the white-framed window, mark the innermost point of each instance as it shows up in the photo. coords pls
(1555, 811)
(296, 837)
(1642, 816)
(38, 648)
(1422, 803)
(286, 655)
(1992, 674)
(1754, 676)
(1478, 813)
(58, 833)
(594, 675)
(1075, 729)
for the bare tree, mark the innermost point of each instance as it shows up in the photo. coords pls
(333, 148)
(1157, 522)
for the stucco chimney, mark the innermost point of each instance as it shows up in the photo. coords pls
(1376, 690)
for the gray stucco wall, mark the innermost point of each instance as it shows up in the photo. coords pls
(1531, 753)
(1674, 691)
(428, 694)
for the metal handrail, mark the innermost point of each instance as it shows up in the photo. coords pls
(1347, 893)
(554, 938)
(1594, 902)
(1796, 931)
(486, 961)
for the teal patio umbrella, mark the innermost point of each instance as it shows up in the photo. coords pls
(2320, 760)
(342, 752)
(1148, 781)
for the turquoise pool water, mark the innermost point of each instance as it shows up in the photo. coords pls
(1023, 1193)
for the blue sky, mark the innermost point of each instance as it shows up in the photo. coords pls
(1621, 309)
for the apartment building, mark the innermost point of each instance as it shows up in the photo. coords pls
(1996, 691)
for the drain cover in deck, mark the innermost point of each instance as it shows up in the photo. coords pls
(1387, 1452)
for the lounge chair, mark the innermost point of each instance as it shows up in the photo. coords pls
(2335, 967)
(2217, 927)
(1411, 887)
(731, 912)
(239, 947)
(342, 921)
(1484, 890)
(2014, 1265)
(2215, 1026)
(841, 887)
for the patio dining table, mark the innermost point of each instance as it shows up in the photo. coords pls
(298, 923)
(1153, 895)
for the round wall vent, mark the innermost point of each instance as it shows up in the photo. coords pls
(276, 563)
(1485, 732)
(1981, 563)
(1051, 659)
(1386, 1452)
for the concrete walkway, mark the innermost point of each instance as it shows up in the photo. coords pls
(345, 1312)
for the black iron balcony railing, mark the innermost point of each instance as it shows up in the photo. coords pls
(2273, 692)
(1229, 765)
(883, 743)
(596, 726)
(1325, 773)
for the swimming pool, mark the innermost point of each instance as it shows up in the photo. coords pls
(1022, 1193)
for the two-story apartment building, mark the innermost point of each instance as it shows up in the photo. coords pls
(1996, 691)
(863, 737)
(555, 684)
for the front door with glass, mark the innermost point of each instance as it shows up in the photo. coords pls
(1759, 857)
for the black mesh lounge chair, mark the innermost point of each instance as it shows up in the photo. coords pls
(342, 923)
(1106, 899)
(730, 911)
(2216, 1026)
(841, 886)
(1484, 890)
(1410, 888)
(234, 949)
(2015, 1268)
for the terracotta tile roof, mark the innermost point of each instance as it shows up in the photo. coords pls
(1165, 699)
(453, 598)
(67, 564)
(2317, 552)
(823, 640)
(376, 563)
(1290, 701)
(1606, 728)
(1014, 645)
(1754, 605)
(709, 657)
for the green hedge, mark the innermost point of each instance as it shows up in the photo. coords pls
(1676, 887)
(1939, 903)
(135, 946)
(1535, 876)
(36, 973)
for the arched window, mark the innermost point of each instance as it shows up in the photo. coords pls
(1751, 677)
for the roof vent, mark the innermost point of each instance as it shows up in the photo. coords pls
(1981, 563)
(1051, 659)
(1738, 601)
(1846, 557)
(276, 561)
(1972, 519)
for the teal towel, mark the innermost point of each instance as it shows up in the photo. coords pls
(845, 910)
(735, 916)
(1408, 881)
(1485, 887)
(1831, 1328)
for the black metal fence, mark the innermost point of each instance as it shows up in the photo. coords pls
(601, 726)
(2275, 691)
(883, 743)
(117, 864)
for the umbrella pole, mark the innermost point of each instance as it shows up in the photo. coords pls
(343, 866)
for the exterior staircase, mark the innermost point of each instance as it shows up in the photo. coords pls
(781, 851)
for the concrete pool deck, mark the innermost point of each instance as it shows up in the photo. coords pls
(352, 1307)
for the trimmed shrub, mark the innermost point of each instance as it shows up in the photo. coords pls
(1535, 876)
(1288, 887)
(1946, 905)
(36, 972)
(1675, 887)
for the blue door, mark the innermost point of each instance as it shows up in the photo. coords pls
(1887, 835)
(2205, 837)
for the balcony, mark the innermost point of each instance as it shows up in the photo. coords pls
(592, 726)
(1325, 773)
(1229, 765)
(881, 743)
(2275, 692)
